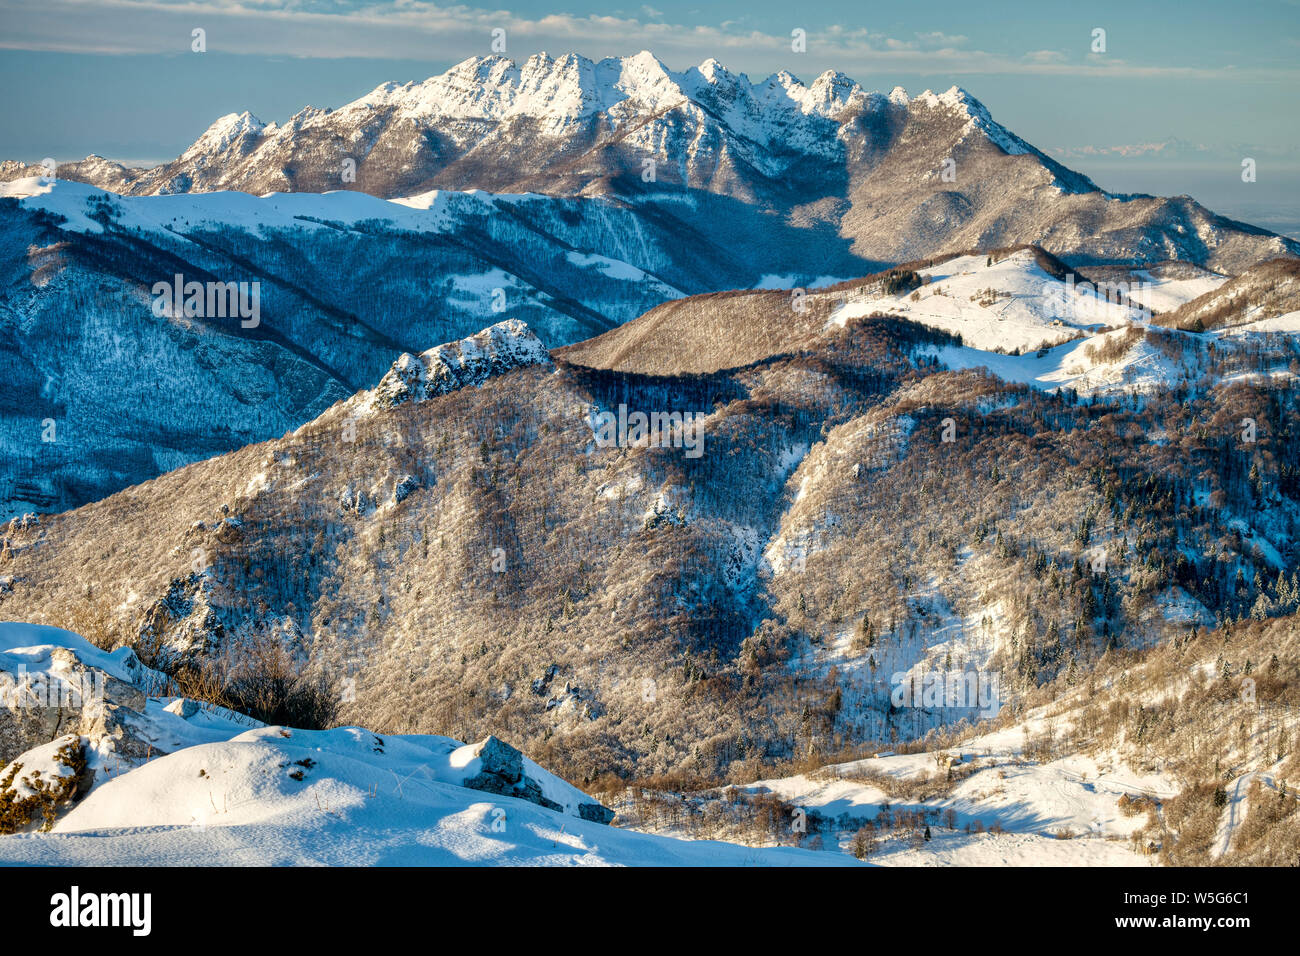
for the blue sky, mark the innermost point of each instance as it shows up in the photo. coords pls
(117, 77)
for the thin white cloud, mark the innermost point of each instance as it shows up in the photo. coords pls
(1165, 149)
(1046, 56)
(1171, 149)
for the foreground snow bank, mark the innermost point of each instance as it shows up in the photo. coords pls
(172, 781)
(275, 796)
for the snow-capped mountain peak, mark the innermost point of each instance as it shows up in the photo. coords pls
(224, 132)
(568, 126)
(572, 87)
(956, 99)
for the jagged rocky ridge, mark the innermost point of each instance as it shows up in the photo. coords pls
(855, 170)
(469, 362)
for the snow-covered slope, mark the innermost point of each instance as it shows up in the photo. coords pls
(1265, 291)
(1133, 359)
(1011, 304)
(180, 213)
(1049, 329)
(345, 797)
(175, 217)
(32, 647)
(1164, 294)
(216, 788)
(1030, 805)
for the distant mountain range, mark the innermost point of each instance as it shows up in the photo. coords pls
(880, 178)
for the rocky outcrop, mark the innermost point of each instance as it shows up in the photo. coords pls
(66, 718)
(72, 716)
(494, 766)
(39, 786)
(182, 624)
(60, 695)
(469, 362)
